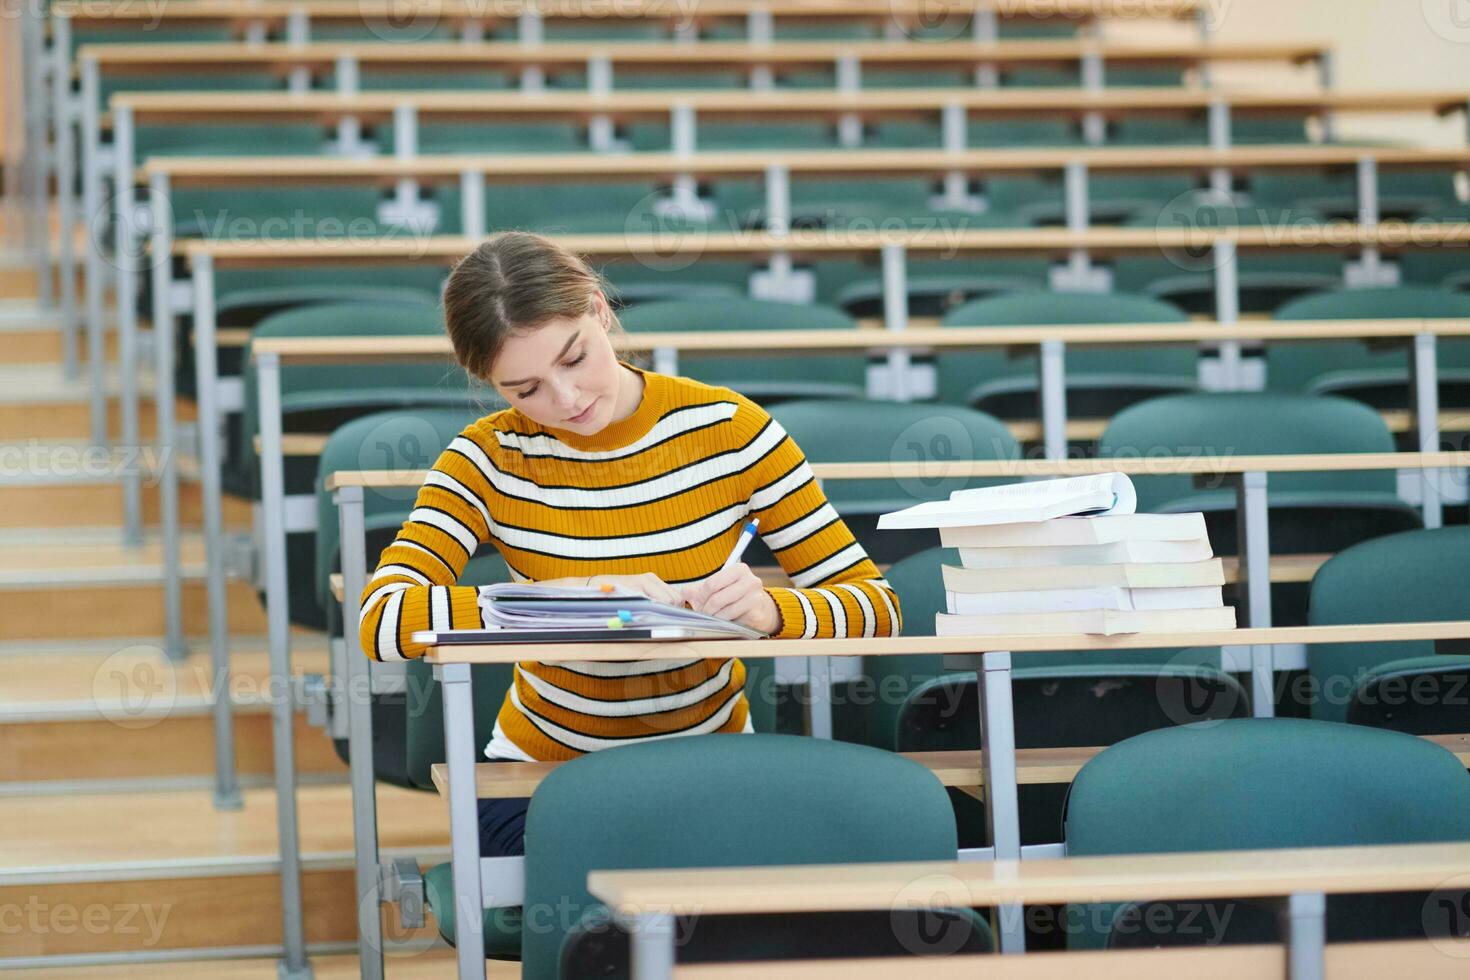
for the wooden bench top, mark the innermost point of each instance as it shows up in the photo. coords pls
(1344, 961)
(959, 769)
(826, 103)
(431, 55)
(1022, 468)
(947, 645)
(1113, 878)
(948, 241)
(340, 350)
(92, 11)
(544, 167)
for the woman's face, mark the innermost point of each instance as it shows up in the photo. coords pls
(563, 374)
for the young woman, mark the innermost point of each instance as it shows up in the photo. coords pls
(601, 472)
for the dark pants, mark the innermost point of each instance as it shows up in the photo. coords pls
(503, 827)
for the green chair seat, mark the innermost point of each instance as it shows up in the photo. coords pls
(1420, 575)
(1106, 379)
(1264, 783)
(764, 378)
(502, 925)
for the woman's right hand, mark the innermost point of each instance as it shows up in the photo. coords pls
(647, 584)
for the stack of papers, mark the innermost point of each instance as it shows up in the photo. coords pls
(1064, 556)
(535, 607)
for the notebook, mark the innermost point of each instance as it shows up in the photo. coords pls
(515, 613)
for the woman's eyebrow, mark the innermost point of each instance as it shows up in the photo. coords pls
(517, 384)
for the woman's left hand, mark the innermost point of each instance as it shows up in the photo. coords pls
(736, 594)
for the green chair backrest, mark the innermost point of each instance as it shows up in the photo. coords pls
(719, 800)
(1258, 783)
(827, 432)
(962, 376)
(1245, 424)
(287, 212)
(1410, 577)
(1300, 366)
(333, 386)
(756, 376)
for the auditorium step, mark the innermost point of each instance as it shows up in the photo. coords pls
(159, 872)
(431, 965)
(64, 585)
(119, 714)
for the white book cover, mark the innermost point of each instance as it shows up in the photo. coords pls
(1067, 600)
(1116, 553)
(1103, 622)
(1152, 575)
(1104, 529)
(1038, 500)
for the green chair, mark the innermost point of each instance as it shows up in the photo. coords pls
(1186, 277)
(1407, 195)
(1261, 783)
(1099, 381)
(718, 800)
(1415, 576)
(1374, 375)
(891, 432)
(496, 137)
(720, 134)
(763, 378)
(319, 398)
(1360, 504)
(934, 285)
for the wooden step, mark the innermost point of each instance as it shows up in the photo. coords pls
(132, 715)
(18, 282)
(433, 964)
(194, 876)
(72, 504)
(118, 610)
(42, 345)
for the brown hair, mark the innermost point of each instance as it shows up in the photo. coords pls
(514, 281)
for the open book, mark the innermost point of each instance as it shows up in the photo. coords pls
(1013, 503)
(548, 609)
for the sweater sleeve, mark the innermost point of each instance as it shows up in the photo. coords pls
(413, 587)
(838, 590)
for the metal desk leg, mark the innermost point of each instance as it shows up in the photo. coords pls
(65, 177)
(1254, 532)
(653, 946)
(819, 696)
(1305, 929)
(1053, 363)
(896, 318)
(1425, 371)
(464, 819)
(125, 262)
(357, 698)
(998, 773)
(34, 65)
(227, 791)
(92, 222)
(278, 629)
(1227, 310)
(166, 471)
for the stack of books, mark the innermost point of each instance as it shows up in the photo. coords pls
(1071, 556)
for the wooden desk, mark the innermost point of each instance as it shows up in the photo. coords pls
(959, 769)
(999, 761)
(584, 167)
(902, 11)
(704, 55)
(233, 107)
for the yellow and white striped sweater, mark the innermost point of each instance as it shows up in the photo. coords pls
(665, 490)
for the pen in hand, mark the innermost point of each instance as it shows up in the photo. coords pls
(747, 534)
